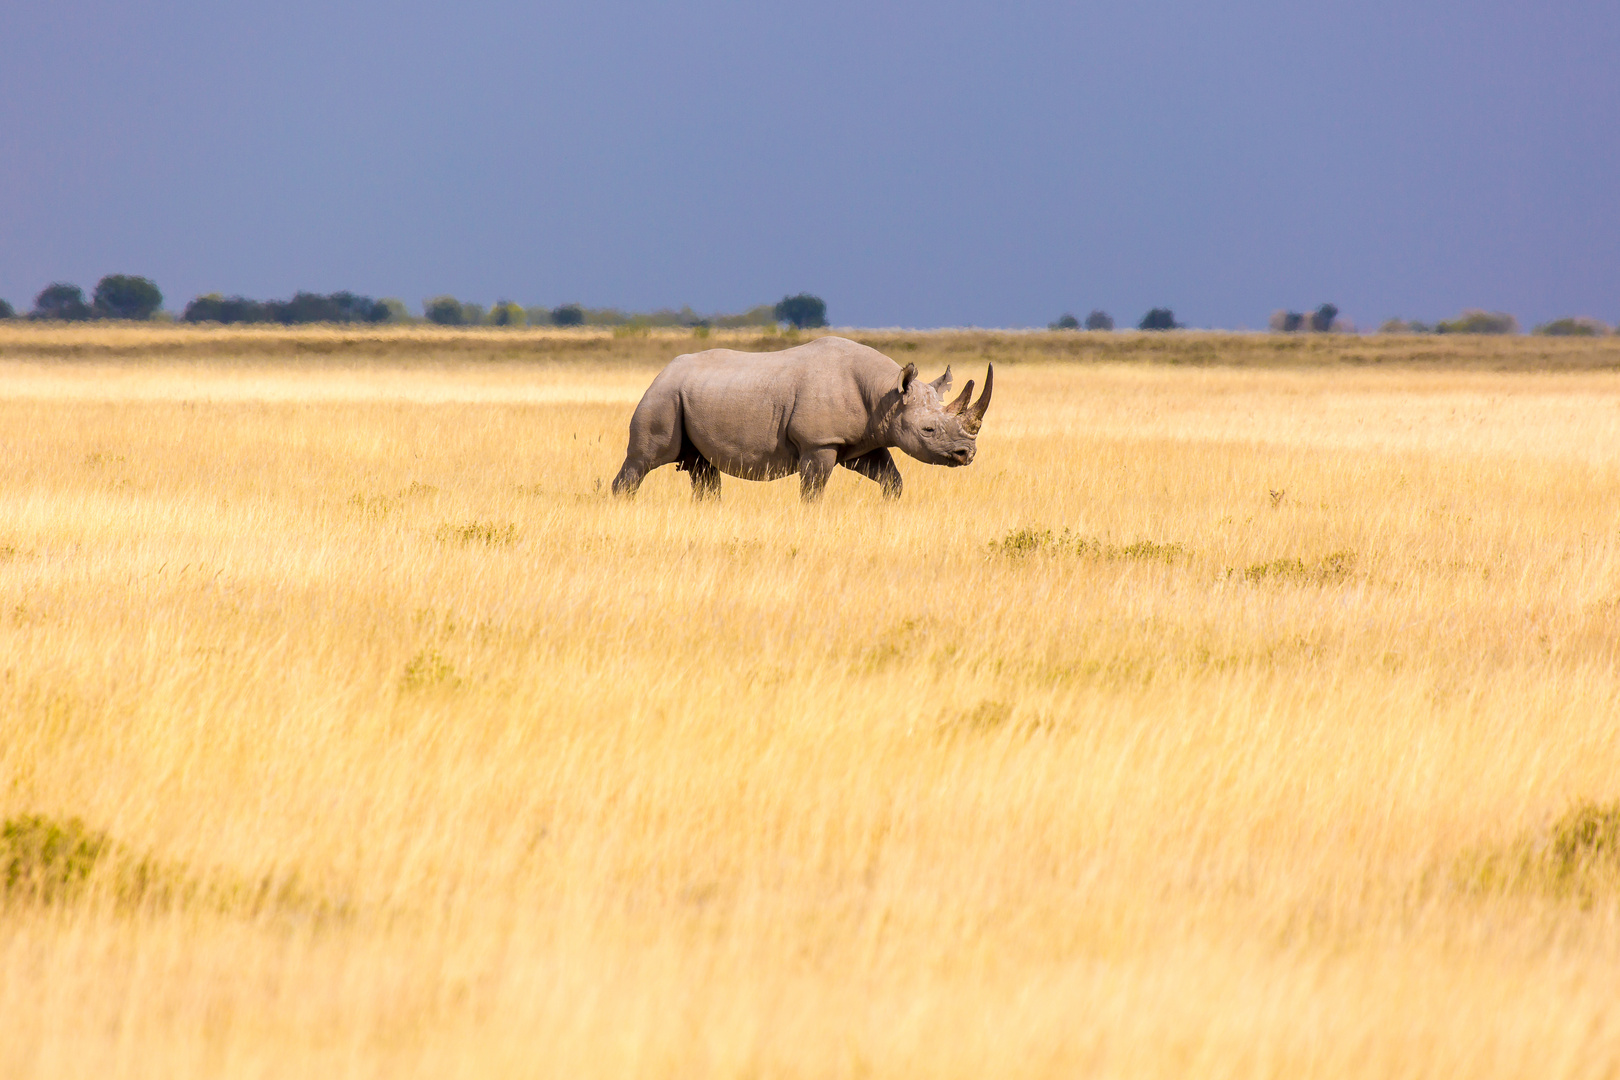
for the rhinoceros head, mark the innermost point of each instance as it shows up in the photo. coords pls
(929, 428)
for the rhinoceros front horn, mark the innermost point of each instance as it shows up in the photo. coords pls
(973, 415)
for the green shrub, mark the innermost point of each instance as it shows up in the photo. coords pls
(1099, 320)
(1065, 322)
(568, 315)
(7, 311)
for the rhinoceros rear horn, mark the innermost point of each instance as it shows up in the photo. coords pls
(961, 402)
(973, 415)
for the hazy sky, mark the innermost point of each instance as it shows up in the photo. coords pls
(915, 164)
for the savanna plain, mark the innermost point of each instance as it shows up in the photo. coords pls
(1248, 708)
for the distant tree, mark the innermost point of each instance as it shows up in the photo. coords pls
(1065, 322)
(1475, 321)
(1159, 318)
(537, 316)
(350, 307)
(1286, 322)
(568, 315)
(206, 308)
(802, 311)
(1579, 326)
(59, 300)
(1099, 320)
(397, 311)
(338, 307)
(124, 296)
(472, 314)
(1322, 318)
(239, 309)
(7, 311)
(444, 310)
(506, 313)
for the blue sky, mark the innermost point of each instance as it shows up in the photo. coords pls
(914, 164)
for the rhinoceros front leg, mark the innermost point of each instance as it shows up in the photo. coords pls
(878, 465)
(814, 468)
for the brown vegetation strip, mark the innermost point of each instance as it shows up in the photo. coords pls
(135, 341)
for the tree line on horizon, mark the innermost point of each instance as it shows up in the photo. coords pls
(1326, 319)
(125, 296)
(132, 297)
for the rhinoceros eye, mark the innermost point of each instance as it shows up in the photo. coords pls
(928, 431)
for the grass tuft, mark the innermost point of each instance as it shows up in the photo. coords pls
(488, 533)
(1576, 858)
(427, 669)
(1324, 571)
(46, 859)
(1019, 543)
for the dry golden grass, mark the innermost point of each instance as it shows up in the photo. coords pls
(417, 756)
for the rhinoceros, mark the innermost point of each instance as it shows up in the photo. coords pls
(761, 416)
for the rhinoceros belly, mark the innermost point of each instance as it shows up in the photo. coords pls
(740, 426)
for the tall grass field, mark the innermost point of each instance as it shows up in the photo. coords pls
(1249, 708)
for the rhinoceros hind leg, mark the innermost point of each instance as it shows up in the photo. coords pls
(656, 439)
(879, 466)
(705, 477)
(629, 479)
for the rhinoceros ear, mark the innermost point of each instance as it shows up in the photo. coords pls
(908, 375)
(943, 383)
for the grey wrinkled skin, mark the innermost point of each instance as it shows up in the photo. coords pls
(762, 416)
